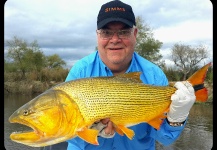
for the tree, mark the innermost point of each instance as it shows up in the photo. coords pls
(186, 58)
(16, 52)
(146, 45)
(27, 57)
(54, 61)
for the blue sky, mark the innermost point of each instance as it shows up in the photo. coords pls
(68, 27)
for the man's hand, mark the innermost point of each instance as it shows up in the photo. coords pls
(105, 127)
(182, 101)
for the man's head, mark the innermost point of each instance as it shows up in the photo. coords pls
(115, 11)
(116, 35)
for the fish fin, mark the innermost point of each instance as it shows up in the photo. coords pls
(89, 135)
(132, 76)
(202, 95)
(157, 121)
(119, 131)
(128, 132)
(197, 81)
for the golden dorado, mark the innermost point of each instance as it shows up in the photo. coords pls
(67, 110)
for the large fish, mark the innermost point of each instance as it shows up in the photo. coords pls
(68, 109)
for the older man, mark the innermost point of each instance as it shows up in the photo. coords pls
(116, 36)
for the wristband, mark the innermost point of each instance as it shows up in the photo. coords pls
(175, 124)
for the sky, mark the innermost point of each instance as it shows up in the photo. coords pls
(68, 27)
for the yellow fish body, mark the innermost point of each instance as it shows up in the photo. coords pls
(70, 108)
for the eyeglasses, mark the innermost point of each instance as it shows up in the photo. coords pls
(107, 34)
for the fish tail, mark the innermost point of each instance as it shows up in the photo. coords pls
(197, 81)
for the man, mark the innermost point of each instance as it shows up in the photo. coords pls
(116, 36)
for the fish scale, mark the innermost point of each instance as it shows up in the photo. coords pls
(118, 99)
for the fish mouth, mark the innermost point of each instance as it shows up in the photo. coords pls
(28, 136)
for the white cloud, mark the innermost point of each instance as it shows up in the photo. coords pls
(68, 26)
(185, 31)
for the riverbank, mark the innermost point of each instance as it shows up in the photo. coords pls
(32, 87)
(27, 87)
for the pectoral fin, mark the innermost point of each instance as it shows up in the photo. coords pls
(89, 135)
(120, 129)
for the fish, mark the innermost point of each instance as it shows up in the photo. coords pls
(68, 109)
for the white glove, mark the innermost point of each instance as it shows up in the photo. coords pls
(182, 101)
(100, 127)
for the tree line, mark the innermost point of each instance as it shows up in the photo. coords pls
(26, 61)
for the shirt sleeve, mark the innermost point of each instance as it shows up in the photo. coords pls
(73, 74)
(167, 134)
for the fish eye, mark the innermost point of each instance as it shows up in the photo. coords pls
(25, 112)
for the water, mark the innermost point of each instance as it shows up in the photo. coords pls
(197, 135)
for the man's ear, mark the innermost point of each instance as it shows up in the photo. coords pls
(135, 32)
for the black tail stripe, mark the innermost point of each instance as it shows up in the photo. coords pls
(198, 87)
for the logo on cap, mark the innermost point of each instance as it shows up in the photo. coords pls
(114, 9)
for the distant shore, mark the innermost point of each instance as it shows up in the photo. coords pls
(27, 87)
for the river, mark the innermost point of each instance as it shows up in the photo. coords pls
(197, 135)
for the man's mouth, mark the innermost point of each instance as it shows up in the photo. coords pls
(115, 48)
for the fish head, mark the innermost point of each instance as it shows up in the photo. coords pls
(52, 116)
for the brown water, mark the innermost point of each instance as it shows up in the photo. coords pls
(197, 135)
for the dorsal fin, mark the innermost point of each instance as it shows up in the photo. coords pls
(132, 77)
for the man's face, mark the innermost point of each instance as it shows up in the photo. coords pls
(116, 51)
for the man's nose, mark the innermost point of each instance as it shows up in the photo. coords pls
(115, 37)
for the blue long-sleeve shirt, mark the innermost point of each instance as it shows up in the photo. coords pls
(145, 135)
